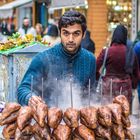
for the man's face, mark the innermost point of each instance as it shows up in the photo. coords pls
(26, 22)
(71, 37)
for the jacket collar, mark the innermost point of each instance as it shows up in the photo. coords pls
(68, 55)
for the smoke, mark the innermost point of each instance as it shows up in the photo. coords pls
(70, 95)
(66, 93)
(58, 85)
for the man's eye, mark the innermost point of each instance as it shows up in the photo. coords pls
(65, 33)
(76, 34)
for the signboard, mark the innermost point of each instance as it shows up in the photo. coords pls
(66, 3)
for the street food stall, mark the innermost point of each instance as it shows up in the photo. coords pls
(99, 119)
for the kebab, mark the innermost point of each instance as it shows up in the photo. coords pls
(122, 100)
(128, 134)
(9, 131)
(118, 131)
(42, 133)
(71, 117)
(9, 114)
(105, 116)
(102, 132)
(25, 134)
(62, 132)
(126, 121)
(116, 111)
(40, 113)
(83, 133)
(88, 117)
(24, 117)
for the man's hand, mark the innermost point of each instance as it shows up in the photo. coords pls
(34, 100)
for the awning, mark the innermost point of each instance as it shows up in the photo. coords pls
(7, 9)
(66, 4)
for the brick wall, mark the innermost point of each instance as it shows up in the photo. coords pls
(97, 22)
(2, 2)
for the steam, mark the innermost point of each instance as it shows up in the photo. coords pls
(55, 89)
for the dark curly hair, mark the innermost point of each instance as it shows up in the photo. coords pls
(72, 17)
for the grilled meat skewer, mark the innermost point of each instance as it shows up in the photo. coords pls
(71, 117)
(40, 113)
(9, 131)
(54, 117)
(105, 116)
(88, 116)
(122, 100)
(24, 117)
(83, 133)
(62, 132)
(116, 111)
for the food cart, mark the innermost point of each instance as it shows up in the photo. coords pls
(13, 66)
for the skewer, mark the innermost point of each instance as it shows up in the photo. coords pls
(89, 93)
(42, 88)
(110, 89)
(71, 92)
(57, 94)
(120, 90)
(101, 86)
(31, 84)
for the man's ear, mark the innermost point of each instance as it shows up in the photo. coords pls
(84, 34)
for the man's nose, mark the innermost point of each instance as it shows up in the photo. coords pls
(71, 38)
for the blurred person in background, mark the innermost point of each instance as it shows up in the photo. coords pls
(137, 51)
(39, 29)
(137, 38)
(11, 27)
(52, 36)
(4, 28)
(88, 43)
(26, 28)
(121, 68)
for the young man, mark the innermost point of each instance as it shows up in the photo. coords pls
(63, 62)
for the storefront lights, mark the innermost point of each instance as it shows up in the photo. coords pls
(77, 7)
(86, 3)
(125, 19)
(114, 2)
(118, 8)
(86, 6)
(111, 2)
(125, 8)
(130, 16)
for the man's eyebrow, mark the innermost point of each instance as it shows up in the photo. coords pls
(73, 32)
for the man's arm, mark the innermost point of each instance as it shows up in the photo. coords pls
(31, 80)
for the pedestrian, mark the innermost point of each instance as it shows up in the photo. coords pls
(137, 51)
(88, 43)
(63, 62)
(121, 75)
(4, 28)
(137, 38)
(52, 36)
(39, 29)
(26, 28)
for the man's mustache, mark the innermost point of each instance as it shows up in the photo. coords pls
(71, 44)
